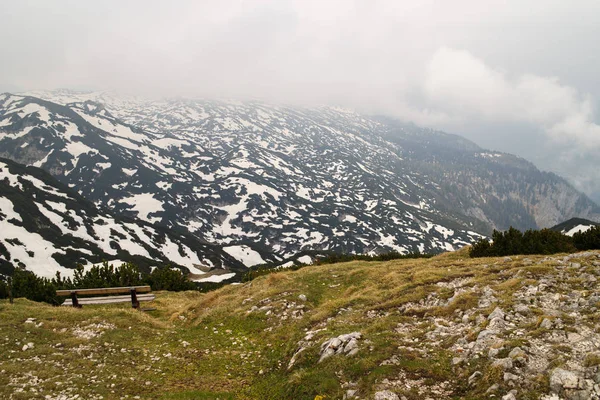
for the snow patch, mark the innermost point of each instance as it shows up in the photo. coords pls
(216, 278)
(245, 255)
(144, 204)
(579, 228)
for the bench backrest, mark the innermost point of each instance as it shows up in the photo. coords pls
(101, 291)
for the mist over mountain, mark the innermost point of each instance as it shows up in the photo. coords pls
(533, 93)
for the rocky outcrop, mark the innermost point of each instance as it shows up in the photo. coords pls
(344, 344)
(544, 331)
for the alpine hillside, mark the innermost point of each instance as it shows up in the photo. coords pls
(446, 328)
(47, 228)
(271, 182)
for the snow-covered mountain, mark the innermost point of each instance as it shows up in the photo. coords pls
(45, 227)
(268, 182)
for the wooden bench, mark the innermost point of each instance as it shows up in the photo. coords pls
(134, 296)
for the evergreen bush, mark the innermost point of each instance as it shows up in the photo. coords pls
(545, 241)
(169, 279)
(588, 240)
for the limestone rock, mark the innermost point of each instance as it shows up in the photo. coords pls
(503, 363)
(546, 324)
(508, 377)
(386, 395)
(347, 343)
(492, 389)
(512, 395)
(517, 352)
(562, 379)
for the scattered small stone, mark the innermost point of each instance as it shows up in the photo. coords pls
(546, 324)
(493, 388)
(522, 309)
(517, 352)
(92, 330)
(27, 346)
(508, 377)
(494, 351)
(457, 360)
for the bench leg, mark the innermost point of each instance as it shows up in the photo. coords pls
(74, 300)
(134, 301)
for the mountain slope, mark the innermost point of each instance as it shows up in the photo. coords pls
(278, 179)
(45, 227)
(277, 189)
(499, 189)
(449, 327)
(574, 225)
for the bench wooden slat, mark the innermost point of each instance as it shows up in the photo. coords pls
(98, 291)
(110, 300)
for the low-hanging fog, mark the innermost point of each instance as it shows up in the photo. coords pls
(514, 76)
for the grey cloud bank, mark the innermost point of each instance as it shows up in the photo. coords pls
(516, 76)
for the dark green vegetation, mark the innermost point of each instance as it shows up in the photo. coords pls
(27, 284)
(589, 240)
(545, 241)
(393, 255)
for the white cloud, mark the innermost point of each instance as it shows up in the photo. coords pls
(459, 84)
(529, 65)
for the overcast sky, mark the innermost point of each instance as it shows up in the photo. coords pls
(515, 76)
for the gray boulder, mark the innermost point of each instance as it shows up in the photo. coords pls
(347, 343)
(561, 379)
